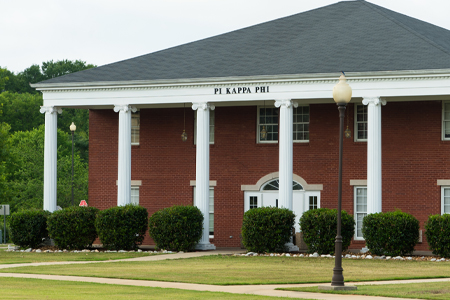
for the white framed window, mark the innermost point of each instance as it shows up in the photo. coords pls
(135, 195)
(360, 123)
(445, 200)
(211, 210)
(267, 123)
(135, 127)
(212, 121)
(360, 199)
(301, 124)
(446, 120)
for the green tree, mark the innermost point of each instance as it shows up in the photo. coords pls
(3, 78)
(52, 69)
(21, 111)
(26, 179)
(20, 83)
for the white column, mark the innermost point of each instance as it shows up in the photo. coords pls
(50, 156)
(286, 151)
(124, 154)
(202, 170)
(285, 144)
(374, 189)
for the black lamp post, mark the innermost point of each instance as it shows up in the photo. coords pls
(342, 94)
(72, 128)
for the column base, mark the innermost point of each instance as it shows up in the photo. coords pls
(205, 246)
(291, 247)
(337, 288)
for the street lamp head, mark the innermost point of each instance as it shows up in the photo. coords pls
(342, 92)
(73, 127)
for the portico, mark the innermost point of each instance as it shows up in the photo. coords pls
(291, 86)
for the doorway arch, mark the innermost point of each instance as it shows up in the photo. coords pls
(265, 193)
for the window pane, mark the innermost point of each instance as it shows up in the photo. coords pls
(211, 224)
(135, 127)
(135, 195)
(301, 123)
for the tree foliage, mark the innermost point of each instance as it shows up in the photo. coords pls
(22, 138)
(26, 178)
(21, 111)
(20, 83)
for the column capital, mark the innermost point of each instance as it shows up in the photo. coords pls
(124, 108)
(50, 109)
(202, 105)
(286, 103)
(374, 101)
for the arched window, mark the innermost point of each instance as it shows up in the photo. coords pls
(274, 185)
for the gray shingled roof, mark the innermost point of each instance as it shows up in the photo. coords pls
(353, 36)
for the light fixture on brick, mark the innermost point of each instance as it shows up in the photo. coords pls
(184, 134)
(263, 130)
(347, 132)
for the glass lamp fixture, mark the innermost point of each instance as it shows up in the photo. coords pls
(184, 134)
(348, 133)
(73, 127)
(263, 133)
(342, 92)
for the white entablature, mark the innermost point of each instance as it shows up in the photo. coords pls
(312, 89)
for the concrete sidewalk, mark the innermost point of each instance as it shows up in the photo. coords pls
(263, 290)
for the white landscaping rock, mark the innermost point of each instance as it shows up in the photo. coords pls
(369, 257)
(315, 254)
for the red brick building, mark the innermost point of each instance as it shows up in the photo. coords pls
(262, 127)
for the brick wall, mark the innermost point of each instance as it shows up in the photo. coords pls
(414, 157)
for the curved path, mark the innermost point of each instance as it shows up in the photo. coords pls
(263, 290)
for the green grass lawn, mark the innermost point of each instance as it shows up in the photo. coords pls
(430, 290)
(37, 289)
(32, 257)
(226, 270)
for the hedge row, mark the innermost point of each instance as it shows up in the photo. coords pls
(77, 227)
(265, 229)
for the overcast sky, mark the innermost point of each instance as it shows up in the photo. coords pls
(105, 31)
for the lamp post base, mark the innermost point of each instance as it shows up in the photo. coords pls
(337, 288)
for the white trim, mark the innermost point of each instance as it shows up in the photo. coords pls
(133, 182)
(358, 182)
(443, 188)
(443, 182)
(211, 183)
(369, 76)
(270, 176)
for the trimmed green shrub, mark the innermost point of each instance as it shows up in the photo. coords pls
(29, 227)
(267, 229)
(391, 233)
(122, 227)
(437, 231)
(177, 228)
(319, 227)
(73, 227)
